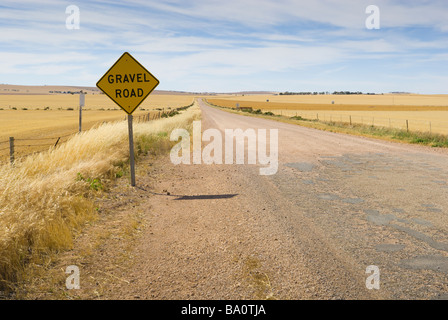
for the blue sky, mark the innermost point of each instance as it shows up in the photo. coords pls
(232, 45)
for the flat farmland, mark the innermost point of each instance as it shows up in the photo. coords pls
(36, 129)
(427, 113)
(355, 99)
(92, 101)
(424, 121)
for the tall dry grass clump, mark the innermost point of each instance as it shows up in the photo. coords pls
(46, 197)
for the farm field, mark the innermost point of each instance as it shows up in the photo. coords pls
(46, 126)
(92, 102)
(423, 113)
(424, 121)
(376, 100)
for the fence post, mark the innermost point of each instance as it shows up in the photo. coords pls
(350, 120)
(407, 126)
(430, 129)
(11, 150)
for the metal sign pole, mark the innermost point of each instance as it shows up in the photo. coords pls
(131, 149)
(128, 94)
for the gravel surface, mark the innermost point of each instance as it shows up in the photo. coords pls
(337, 205)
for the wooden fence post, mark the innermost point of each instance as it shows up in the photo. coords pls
(11, 150)
(407, 126)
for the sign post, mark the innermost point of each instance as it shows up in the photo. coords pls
(82, 100)
(128, 83)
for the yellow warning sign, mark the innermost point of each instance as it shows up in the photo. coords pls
(127, 83)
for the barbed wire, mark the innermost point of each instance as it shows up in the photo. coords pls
(40, 146)
(33, 145)
(52, 138)
(18, 155)
(34, 139)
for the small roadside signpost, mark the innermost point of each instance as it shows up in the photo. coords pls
(128, 83)
(82, 100)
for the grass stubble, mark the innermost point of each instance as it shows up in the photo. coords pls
(47, 198)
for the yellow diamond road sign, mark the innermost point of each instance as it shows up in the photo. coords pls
(127, 83)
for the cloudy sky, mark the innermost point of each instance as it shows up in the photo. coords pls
(231, 45)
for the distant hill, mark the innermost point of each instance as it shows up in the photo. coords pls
(54, 89)
(49, 89)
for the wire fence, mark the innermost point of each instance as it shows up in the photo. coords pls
(23, 147)
(14, 149)
(413, 120)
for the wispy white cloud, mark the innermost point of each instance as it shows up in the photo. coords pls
(204, 44)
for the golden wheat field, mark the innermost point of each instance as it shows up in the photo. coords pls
(92, 101)
(44, 127)
(427, 113)
(375, 100)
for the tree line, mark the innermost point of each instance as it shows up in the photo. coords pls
(287, 93)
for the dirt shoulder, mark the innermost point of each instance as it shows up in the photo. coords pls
(185, 232)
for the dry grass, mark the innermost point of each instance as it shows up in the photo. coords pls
(423, 121)
(271, 105)
(54, 123)
(257, 279)
(47, 197)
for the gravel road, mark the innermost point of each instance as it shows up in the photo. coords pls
(337, 205)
